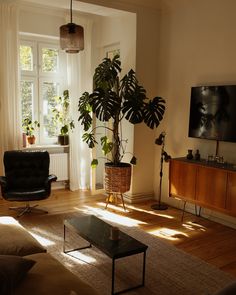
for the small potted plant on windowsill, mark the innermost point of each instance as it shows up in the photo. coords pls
(116, 99)
(61, 118)
(29, 127)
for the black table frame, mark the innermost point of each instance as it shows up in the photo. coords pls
(113, 263)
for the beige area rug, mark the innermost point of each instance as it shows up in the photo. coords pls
(168, 270)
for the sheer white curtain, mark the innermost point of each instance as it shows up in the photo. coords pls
(10, 127)
(79, 81)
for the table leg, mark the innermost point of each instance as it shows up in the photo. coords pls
(113, 276)
(131, 288)
(144, 267)
(71, 250)
(64, 239)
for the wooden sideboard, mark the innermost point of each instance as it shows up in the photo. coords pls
(207, 184)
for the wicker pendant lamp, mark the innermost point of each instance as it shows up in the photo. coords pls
(71, 36)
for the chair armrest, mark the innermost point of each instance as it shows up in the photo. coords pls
(3, 181)
(48, 182)
(51, 178)
(3, 184)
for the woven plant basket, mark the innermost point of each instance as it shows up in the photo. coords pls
(117, 178)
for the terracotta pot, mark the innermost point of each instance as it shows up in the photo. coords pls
(31, 139)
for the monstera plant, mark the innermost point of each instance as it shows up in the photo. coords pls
(115, 99)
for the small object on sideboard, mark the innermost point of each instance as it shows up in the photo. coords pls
(219, 159)
(190, 155)
(197, 156)
(210, 158)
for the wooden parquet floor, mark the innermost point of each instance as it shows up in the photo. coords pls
(208, 240)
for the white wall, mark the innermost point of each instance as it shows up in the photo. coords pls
(198, 45)
(42, 21)
(147, 67)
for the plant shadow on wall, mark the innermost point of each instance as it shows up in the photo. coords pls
(61, 117)
(113, 100)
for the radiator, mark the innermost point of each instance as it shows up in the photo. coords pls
(59, 166)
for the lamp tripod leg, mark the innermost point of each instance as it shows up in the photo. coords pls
(160, 205)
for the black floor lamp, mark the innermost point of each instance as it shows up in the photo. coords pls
(164, 157)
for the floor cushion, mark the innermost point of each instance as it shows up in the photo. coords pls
(13, 270)
(15, 240)
(49, 276)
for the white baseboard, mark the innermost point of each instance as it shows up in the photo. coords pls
(137, 198)
(59, 185)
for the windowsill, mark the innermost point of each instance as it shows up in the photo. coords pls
(45, 146)
(51, 148)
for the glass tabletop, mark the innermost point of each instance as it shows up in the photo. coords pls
(98, 232)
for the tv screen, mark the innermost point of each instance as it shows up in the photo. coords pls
(213, 112)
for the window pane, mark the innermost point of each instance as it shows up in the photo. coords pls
(26, 88)
(26, 58)
(111, 53)
(49, 60)
(50, 91)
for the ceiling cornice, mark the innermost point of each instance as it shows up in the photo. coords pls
(128, 5)
(84, 7)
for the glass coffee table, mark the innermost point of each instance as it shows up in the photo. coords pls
(97, 232)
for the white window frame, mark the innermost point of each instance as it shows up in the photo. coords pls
(38, 77)
(40, 104)
(42, 45)
(32, 44)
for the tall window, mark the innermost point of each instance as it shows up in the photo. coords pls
(43, 68)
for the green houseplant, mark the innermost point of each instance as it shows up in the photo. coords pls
(116, 99)
(61, 117)
(29, 127)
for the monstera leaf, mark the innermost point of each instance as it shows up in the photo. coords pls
(106, 73)
(105, 104)
(107, 145)
(89, 138)
(153, 112)
(85, 111)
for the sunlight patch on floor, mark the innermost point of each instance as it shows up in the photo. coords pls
(113, 207)
(111, 216)
(194, 226)
(8, 220)
(127, 206)
(43, 241)
(45, 233)
(150, 212)
(79, 258)
(167, 233)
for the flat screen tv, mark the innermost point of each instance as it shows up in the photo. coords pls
(213, 113)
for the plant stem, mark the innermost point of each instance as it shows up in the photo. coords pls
(116, 123)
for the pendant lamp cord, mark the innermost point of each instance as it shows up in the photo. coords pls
(71, 11)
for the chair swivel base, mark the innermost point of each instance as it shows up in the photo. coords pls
(27, 209)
